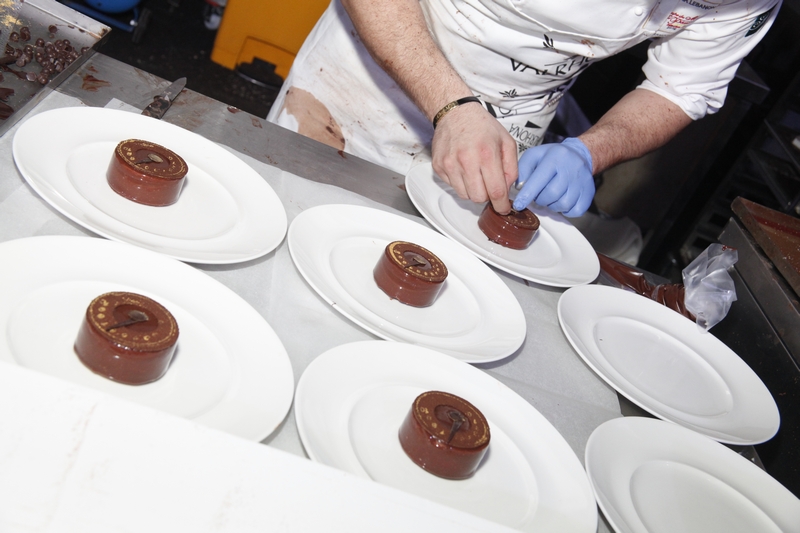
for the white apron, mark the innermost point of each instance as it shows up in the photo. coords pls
(519, 57)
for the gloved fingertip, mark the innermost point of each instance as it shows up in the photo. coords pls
(520, 203)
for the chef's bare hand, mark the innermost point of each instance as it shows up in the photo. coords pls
(558, 176)
(475, 155)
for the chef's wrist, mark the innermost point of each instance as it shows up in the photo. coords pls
(450, 106)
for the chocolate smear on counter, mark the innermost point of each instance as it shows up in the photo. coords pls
(5, 92)
(92, 84)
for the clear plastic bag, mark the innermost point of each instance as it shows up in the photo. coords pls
(709, 288)
(705, 296)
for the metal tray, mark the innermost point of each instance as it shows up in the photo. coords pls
(39, 15)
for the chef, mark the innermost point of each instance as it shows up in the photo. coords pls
(471, 84)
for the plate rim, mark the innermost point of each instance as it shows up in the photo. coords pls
(280, 364)
(642, 427)
(420, 172)
(174, 247)
(727, 437)
(387, 349)
(510, 300)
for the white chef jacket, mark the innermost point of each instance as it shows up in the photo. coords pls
(518, 57)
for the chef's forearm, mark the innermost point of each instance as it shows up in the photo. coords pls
(397, 37)
(639, 123)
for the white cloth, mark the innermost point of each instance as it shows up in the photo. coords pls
(519, 56)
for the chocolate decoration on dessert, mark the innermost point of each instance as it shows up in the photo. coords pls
(410, 274)
(146, 173)
(445, 435)
(514, 230)
(127, 337)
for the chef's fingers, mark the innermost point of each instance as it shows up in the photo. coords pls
(535, 172)
(583, 203)
(502, 173)
(449, 170)
(555, 189)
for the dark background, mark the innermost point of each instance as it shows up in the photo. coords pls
(174, 43)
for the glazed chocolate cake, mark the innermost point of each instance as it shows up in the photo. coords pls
(445, 435)
(410, 274)
(146, 173)
(127, 337)
(514, 230)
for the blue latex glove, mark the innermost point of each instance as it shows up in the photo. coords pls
(558, 176)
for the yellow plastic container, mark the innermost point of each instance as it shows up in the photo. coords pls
(269, 30)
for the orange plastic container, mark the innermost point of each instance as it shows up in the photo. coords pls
(269, 30)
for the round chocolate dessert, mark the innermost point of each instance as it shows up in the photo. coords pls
(127, 337)
(410, 274)
(444, 434)
(146, 173)
(514, 230)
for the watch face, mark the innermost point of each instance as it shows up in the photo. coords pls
(417, 261)
(152, 159)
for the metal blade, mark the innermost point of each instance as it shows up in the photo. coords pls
(161, 103)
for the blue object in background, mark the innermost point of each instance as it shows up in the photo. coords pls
(112, 6)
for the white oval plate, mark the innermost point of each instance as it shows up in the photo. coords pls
(351, 400)
(475, 318)
(226, 213)
(660, 361)
(230, 371)
(650, 476)
(559, 256)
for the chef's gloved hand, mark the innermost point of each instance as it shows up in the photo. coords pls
(558, 176)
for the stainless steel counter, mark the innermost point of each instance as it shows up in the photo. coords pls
(101, 79)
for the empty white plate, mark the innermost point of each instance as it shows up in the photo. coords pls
(663, 363)
(650, 476)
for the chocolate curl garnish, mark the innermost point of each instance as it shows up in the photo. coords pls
(151, 158)
(458, 420)
(134, 316)
(418, 261)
